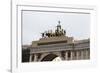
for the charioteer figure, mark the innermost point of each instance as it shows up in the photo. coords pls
(58, 32)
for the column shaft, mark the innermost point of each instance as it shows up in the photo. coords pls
(30, 60)
(77, 55)
(66, 55)
(71, 58)
(87, 54)
(35, 57)
(82, 53)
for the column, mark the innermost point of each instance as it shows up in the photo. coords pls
(77, 55)
(71, 58)
(30, 59)
(66, 55)
(35, 57)
(82, 53)
(87, 55)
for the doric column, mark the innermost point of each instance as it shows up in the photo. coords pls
(35, 57)
(66, 55)
(77, 55)
(86, 54)
(71, 57)
(30, 59)
(82, 53)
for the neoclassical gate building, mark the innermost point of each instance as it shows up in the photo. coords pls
(56, 44)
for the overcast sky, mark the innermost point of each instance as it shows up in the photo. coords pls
(34, 23)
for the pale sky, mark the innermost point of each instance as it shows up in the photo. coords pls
(34, 23)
